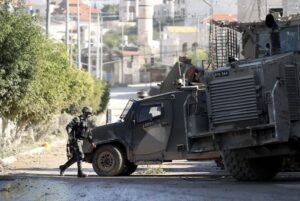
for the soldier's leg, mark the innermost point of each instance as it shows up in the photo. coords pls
(70, 162)
(80, 158)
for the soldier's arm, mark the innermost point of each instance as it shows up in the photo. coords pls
(75, 121)
(90, 137)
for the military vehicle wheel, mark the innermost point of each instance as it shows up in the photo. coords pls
(244, 169)
(108, 160)
(129, 169)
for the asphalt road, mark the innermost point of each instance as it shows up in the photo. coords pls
(198, 187)
(35, 178)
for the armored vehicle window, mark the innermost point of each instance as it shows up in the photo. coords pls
(155, 111)
(148, 113)
(262, 40)
(289, 39)
(126, 109)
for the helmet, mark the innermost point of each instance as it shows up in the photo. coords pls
(87, 110)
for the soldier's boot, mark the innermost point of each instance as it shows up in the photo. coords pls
(63, 168)
(80, 172)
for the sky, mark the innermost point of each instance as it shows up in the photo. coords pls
(102, 1)
(225, 6)
(219, 5)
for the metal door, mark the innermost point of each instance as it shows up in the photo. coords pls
(153, 122)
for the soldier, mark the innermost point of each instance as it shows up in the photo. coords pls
(77, 131)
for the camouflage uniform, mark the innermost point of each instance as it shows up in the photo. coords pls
(77, 130)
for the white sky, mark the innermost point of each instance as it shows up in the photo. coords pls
(219, 5)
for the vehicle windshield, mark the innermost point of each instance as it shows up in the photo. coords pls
(127, 108)
(289, 39)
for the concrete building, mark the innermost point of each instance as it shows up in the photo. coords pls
(129, 9)
(130, 69)
(256, 10)
(58, 20)
(291, 7)
(177, 41)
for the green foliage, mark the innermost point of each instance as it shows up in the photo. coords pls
(86, 90)
(112, 39)
(36, 78)
(131, 32)
(105, 94)
(19, 44)
(200, 55)
(109, 9)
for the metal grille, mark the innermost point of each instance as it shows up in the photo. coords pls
(223, 44)
(233, 100)
(292, 91)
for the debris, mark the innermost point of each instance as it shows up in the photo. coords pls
(82, 195)
(45, 145)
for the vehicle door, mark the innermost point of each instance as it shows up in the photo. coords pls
(152, 127)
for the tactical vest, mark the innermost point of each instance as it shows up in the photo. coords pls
(81, 130)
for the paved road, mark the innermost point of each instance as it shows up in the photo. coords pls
(35, 178)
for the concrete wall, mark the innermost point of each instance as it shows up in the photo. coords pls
(291, 7)
(252, 11)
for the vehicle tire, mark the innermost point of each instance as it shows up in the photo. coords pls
(129, 168)
(108, 160)
(244, 169)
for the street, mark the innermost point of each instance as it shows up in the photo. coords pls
(36, 177)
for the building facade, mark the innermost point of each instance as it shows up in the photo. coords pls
(177, 41)
(256, 10)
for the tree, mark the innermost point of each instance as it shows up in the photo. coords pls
(36, 78)
(199, 55)
(112, 39)
(109, 9)
(20, 43)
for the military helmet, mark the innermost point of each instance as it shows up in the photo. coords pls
(87, 110)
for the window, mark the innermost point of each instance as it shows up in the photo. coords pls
(132, 9)
(155, 111)
(129, 64)
(148, 113)
(262, 39)
(127, 108)
(289, 39)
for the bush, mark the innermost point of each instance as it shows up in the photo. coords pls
(37, 80)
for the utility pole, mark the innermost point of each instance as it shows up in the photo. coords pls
(67, 26)
(89, 54)
(198, 41)
(101, 48)
(122, 57)
(78, 34)
(48, 18)
(210, 4)
(97, 56)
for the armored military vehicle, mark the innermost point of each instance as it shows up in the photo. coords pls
(247, 110)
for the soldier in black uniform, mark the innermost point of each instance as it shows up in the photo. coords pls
(77, 131)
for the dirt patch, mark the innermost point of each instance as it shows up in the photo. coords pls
(1, 168)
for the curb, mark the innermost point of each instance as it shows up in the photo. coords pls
(11, 159)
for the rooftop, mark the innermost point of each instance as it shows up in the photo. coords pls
(84, 9)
